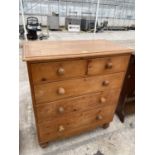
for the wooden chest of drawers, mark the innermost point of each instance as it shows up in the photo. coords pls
(75, 85)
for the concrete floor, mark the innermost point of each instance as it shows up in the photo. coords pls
(118, 139)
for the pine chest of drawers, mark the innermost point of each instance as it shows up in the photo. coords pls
(75, 85)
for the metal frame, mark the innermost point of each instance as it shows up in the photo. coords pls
(23, 19)
(98, 8)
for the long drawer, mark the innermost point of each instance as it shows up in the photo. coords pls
(74, 87)
(54, 71)
(75, 123)
(49, 111)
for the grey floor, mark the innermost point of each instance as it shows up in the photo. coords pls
(118, 139)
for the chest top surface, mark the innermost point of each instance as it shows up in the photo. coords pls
(51, 50)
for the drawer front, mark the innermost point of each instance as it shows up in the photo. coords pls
(58, 90)
(108, 65)
(61, 108)
(53, 71)
(75, 123)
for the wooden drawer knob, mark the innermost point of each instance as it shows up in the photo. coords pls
(61, 109)
(102, 100)
(61, 128)
(99, 117)
(109, 65)
(61, 91)
(61, 71)
(43, 79)
(129, 76)
(105, 83)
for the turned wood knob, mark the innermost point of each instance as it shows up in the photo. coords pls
(61, 128)
(105, 83)
(99, 117)
(43, 79)
(61, 71)
(129, 76)
(109, 65)
(61, 91)
(102, 100)
(61, 109)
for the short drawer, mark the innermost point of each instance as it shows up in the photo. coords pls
(54, 71)
(49, 111)
(108, 65)
(69, 88)
(75, 123)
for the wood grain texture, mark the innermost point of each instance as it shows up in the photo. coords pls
(74, 123)
(75, 85)
(55, 71)
(51, 50)
(60, 70)
(33, 97)
(100, 65)
(49, 111)
(52, 91)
